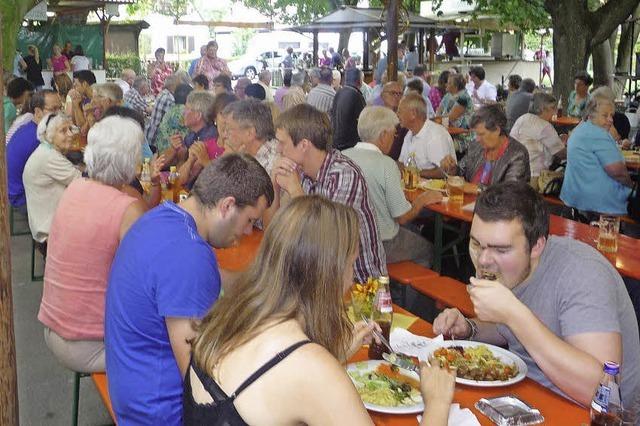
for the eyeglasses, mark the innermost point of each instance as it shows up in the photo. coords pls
(393, 93)
(51, 116)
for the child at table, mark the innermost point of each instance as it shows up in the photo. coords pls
(277, 341)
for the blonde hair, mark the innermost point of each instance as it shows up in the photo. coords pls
(297, 274)
(108, 90)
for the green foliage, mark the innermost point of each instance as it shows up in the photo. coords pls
(532, 41)
(306, 11)
(12, 12)
(241, 39)
(174, 8)
(117, 62)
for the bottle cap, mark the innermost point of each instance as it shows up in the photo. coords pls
(383, 279)
(611, 367)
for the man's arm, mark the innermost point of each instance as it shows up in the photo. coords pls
(451, 322)
(181, 333)
(424, 199)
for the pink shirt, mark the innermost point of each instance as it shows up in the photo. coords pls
(83, 239)
(58, 64)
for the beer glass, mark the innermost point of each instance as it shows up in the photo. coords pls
(455, 185)
(608, 234)
(445, 120)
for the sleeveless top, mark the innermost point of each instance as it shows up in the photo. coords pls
(222, 412)
(58, 63)
(83, 239)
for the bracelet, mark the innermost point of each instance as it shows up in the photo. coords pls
(474, 328)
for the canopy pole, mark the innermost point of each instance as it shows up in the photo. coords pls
(365, 50)
(314, 58)
(421, 46)
(432, 45)
(392, 40)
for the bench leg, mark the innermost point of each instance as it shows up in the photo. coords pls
(437, 243)
(76, 396)
(34, 277)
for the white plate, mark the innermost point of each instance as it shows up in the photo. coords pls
(502, 354)
(429, 184)
(371, 365)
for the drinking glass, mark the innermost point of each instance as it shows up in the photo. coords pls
(445, 121)
(455, 192)
(608, 234)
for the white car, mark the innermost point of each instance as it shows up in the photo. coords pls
(249, 65)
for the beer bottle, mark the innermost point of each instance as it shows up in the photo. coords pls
(606, 406)
(173, 186)
(411, 173)
(383, 315)
(145, 176)
(559, 109)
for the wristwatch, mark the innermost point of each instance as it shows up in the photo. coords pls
(474, 328)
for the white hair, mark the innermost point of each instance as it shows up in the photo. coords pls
(49, 125)
(374, 120)
(114, 148)
(336, 75)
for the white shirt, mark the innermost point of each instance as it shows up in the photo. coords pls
(123, 85)
(46, 175)
(541, 140)
(79, 63)
(486, 93)
(430, 145)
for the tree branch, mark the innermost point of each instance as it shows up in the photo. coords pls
(608, 17)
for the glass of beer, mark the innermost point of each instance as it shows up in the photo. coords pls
(455, 185)
(608, 234)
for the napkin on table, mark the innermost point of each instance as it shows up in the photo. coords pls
(459, 417)
(405, 342)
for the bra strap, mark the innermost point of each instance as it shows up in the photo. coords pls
(267, 366)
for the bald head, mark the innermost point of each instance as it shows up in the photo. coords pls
(128, 75)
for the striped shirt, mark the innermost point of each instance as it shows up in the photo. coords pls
(321, 97)
(164, 101)
(341, 181)
(134, 100)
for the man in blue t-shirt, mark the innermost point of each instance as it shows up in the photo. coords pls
(164, 277)
(23, 142)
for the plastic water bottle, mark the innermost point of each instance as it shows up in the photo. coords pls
(606, 406)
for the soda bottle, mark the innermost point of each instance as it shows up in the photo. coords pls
(145, 176)
(382, 314)
(606, 406)
(411, 173)
(559, 109)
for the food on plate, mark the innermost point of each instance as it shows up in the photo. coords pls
(434, 184)
(386, 387)
(475, 363)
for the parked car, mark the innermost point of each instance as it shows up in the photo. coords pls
(249, 65)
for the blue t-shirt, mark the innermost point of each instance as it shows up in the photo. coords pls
(20, 147)
(162, 268)
(587, 186)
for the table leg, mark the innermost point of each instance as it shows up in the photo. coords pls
(437, 243)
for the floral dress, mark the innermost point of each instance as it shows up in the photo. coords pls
(576, 110)
(461, 142)
(172, 123)
(158, 73)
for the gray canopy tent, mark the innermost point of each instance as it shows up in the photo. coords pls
(363, 19)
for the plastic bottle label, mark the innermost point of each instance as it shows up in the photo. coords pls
(600, 401)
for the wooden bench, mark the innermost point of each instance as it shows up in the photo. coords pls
(100, 380)
(407, 272)
(446, 290)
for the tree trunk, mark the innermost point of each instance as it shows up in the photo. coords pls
(571, 37)
(625, 53)
(343, 42)
(603, 64)
(8, 376)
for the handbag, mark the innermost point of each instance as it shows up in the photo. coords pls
(550, 182)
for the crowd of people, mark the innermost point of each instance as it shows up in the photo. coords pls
(132, 286)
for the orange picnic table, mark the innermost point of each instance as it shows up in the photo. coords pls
(556, 409)
(625, 260)
(565, 121)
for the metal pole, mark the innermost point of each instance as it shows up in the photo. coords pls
(421, 46)
(314, 58)
(392, 40)
(365, 50)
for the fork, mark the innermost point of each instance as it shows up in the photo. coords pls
(375, 332)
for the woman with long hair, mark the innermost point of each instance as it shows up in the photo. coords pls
(271, 350)
(58, 63)
(34, 67)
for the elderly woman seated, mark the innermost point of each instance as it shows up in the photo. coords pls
(173, 121)
(456, 104)
(376, 128)
(48, 173)
(579, 97)
(92, 218)
(596, 179)
(493, 156)
(535, 131)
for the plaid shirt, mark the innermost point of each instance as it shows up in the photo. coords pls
(134, 100)
(164, 101)
(341, 181)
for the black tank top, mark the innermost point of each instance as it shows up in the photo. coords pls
(222, 412)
